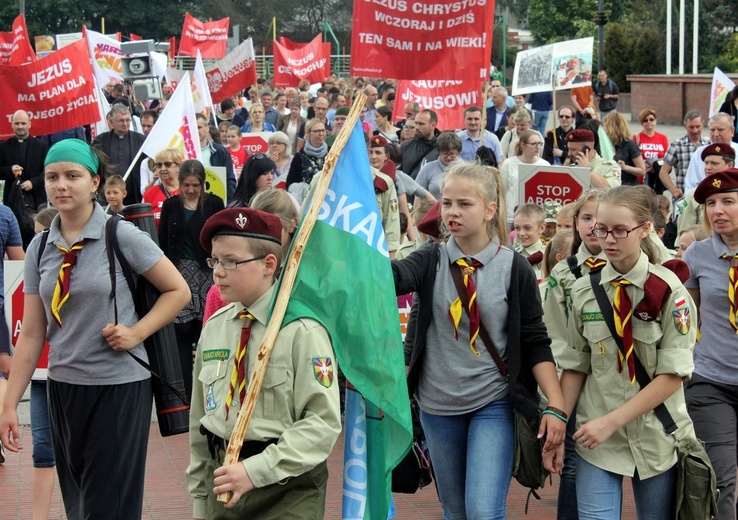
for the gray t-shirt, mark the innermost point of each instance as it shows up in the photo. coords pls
(79, 354)
(453, 379)
(715, 354)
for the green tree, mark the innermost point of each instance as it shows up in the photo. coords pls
(617, 53)
(554, 20)
(151, 20)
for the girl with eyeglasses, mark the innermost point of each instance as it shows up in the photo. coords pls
(617, 431)
(182, 218)
(527, 151)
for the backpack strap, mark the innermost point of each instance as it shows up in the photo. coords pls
(574, 267)
(113, 251)
(642, 376)
(42, 246)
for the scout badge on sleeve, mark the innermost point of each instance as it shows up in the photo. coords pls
(681, 320)
(323, 371)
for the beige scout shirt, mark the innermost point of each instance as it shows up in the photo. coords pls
(298, 403)
(664, 346)
(690, 212)
(388, 208)
(609, 170)
(557, 300)
(535, 247)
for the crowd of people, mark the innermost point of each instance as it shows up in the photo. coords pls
(516, 317)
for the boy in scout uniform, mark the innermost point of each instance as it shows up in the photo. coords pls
(528, 224)
(296, 421)
(717, 157)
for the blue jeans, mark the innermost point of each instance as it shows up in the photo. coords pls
(43, 450)
(540, 121)
(472, 457)
(566, 508)
(600, 494)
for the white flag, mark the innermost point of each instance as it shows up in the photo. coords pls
(721, 87)
(176, 126)
(103, 107)
(105, 55)
(201, 93)
(174, 76)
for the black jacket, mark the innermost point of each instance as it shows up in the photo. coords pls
(491, 116)
(416, 152)
(526, 330)
(172, 227)
(133, 182)
(32, 163)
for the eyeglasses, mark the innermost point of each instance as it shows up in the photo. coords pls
(602, 232)
(165, 164)
(566, 117)
(230, 265)
(537, 143)
(409, 127)
(649, 120)
(317, 131)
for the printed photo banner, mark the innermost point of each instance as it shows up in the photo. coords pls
(448, 99)
(15, 47)
(422, 39)
(57, 91)
(562, 66)
(294, 62)
(722, 85)
(232, 74)
(211, 38)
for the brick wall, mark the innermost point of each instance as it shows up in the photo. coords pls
(671, 96)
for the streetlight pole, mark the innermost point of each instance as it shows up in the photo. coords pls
(22, 7)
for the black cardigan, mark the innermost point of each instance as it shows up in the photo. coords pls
(172, 226)
(526, 330)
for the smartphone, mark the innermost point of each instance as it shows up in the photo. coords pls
(585, 150)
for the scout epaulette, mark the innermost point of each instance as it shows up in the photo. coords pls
(380, 185)
(657, 292)
(679, 268)
(389, 168)
(535, 258)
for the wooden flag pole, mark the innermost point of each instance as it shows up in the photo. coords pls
(485, 97)
(285, 289)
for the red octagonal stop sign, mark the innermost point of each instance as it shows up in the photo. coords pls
(255, 143)
(551, 183)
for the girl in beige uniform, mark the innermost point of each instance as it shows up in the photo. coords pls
(618, 432)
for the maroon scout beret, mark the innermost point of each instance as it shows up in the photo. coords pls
(580, 135)
(378, 141)
(431, 224)
(723, 149)
(242, 222)
(720, 182)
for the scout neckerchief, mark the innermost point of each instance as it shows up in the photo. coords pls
(623, 308)
(456, 309)
(732, 289)
(61, 291)
(238, 375)
(594, 263)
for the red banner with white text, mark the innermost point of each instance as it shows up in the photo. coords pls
(295, 61)
(211, 38)
(15, 47)
(448, 99)
(422, 39)
(57, 91)
(232, 74)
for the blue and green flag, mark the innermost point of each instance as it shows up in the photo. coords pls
(345, 282)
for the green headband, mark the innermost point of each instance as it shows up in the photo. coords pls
(74, 151)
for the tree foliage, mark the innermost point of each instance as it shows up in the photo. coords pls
(152, 20)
